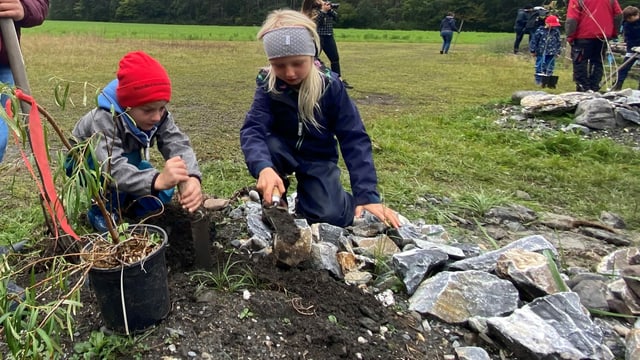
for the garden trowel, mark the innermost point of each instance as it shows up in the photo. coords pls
(289, 247)
(201, 236)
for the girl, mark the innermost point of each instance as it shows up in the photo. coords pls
(300, 113)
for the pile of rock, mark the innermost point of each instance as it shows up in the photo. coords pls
(512, 295)
(611, 119)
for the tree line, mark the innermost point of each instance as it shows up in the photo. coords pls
(486, 15)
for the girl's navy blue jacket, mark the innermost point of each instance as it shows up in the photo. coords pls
(276, 114)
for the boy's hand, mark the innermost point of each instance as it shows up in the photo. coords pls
(173, 173)
(190, 194)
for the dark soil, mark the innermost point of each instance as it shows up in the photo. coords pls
(291, 313)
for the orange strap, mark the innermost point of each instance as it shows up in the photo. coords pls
(39, 148)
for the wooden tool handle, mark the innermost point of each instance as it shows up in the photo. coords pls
(275, 196)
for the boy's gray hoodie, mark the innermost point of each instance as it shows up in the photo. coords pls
(125, 144)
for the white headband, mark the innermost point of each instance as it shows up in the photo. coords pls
(288, 41)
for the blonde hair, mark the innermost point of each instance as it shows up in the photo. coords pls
(312, 87)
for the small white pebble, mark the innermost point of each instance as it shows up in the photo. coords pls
(383, 330)
(246, 295)
(172, 348)
(362, 340)
(192, 354)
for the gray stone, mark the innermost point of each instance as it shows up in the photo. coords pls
(323, 257)
(595, 114)
(612, 219)
(454, 297)
(551, 327)
(471, 353)
(529, 271)
(414, 264)
(592, 289)
(487, 261)
(606, 236)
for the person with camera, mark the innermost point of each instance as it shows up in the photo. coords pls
(324, 14)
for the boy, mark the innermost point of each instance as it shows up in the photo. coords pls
(138, 98)
(545, 46)
(631, 34)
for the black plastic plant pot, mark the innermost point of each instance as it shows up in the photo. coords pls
(139, 290)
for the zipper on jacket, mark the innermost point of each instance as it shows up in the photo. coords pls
(300, 133)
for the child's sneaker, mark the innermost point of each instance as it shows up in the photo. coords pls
(97, 221)
(13, 288)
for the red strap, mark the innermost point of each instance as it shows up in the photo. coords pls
(39, 148)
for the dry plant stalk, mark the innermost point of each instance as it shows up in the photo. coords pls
(104, 254)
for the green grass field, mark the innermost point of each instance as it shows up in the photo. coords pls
(240, 33)
(431, 117)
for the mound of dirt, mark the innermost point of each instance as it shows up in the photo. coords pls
(288, 313)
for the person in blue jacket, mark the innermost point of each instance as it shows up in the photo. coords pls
(447, 27)
(631, 34)
(300, 113)
(545, 46)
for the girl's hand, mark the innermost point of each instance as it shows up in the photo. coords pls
(383, 213)
(268, 179)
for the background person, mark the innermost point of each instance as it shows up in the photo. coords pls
(25, 14)
(590, 23)
(139, 97)
(545, 45)
(447, 27)
(324, 15)
(631, 34)
(300, 113)
(535, 19)
(520, 26)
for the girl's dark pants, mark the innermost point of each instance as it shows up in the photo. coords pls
(321, 197)
(330, 48)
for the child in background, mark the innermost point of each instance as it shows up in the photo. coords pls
(139, 97)
(545, 45)
(631, 34)
(300, 113)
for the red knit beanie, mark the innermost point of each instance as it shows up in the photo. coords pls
(141, 79)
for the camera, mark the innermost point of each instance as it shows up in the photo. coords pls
(333, 5)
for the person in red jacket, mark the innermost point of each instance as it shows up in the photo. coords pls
(589, 24)
(25, 13)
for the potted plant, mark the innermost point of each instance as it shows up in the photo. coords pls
(127, 272)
